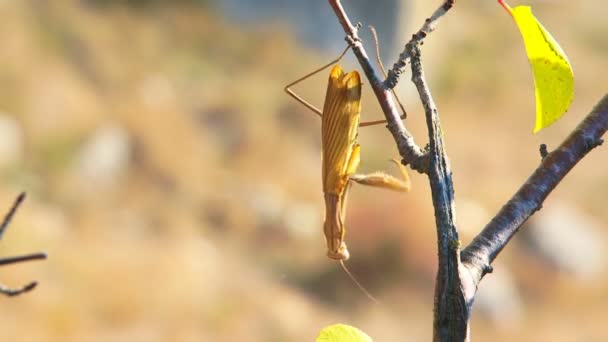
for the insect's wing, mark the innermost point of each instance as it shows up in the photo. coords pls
(339, 127)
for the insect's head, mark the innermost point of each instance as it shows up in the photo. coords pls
(339, 254)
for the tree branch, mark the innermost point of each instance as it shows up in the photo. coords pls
(451, 305)
(17, 259)
(410, 152)
(529, 198)
(15, 292)
(22, 258)
(9, 216)
(430, 24)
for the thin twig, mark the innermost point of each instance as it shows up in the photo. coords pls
(8, 291)
(22, 258)
(430, 24)
(15, 292)
(410, 152)
(529, 198)
(11, 213)
(544, 152)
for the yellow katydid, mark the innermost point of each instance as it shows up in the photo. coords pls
(339, 127)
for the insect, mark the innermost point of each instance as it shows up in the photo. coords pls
(341, 152)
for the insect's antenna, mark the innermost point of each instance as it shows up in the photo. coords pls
(375, 35)
(363, 289)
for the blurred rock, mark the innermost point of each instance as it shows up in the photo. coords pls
(104, 157)
(157, 92)
(471, 216)
(267, 202)
(316, 24)
(567, 239)
(222, 124)
(303, 220)
(275, 210)
(11, 141)
(499, 299)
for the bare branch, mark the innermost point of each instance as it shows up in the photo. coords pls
(17, 259)
(430, 24)
(22, 258)
(451, 305)
(11, 213)
(15, 292)
(529, 198)
(410, 152)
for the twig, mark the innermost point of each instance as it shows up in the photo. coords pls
(529, 198)
(17, 259)
(430, 24)
(22, 258)
(15, 292)
(410, 152)
(11, 213)
(544, 152)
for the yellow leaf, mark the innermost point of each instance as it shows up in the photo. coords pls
(342, 333)
(553, 76)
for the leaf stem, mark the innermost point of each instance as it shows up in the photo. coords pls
(506, 6)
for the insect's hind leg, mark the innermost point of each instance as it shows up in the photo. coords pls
(298, 97)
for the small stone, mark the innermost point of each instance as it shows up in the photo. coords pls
(11, 141)
(499, 299)
(567, 239)
(104, 157)
(303, 220)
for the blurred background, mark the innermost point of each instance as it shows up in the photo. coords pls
(177, 190)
